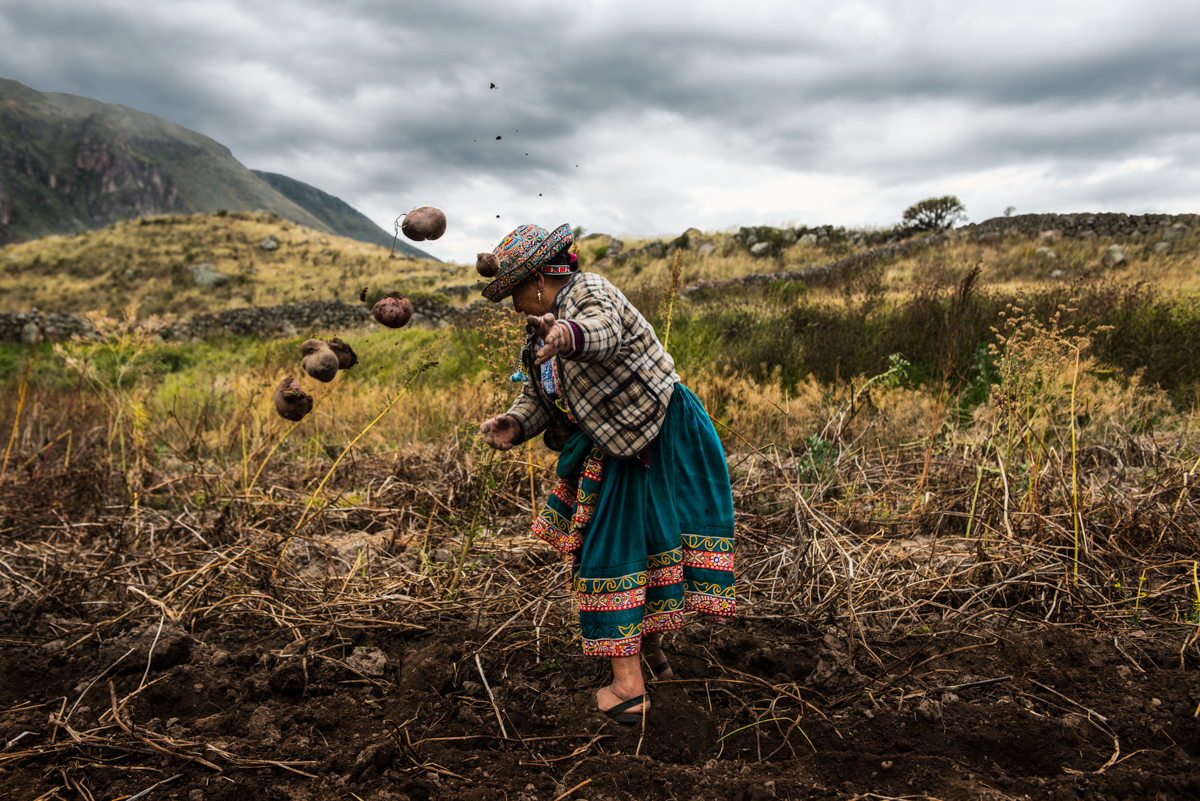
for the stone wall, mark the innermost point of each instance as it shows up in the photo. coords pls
(289, 319)
(1079, 226)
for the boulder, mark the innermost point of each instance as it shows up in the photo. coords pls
(269, 243)
(1113, 255)
(808, 240)
(1162, 247)
(760, 249)
(1176, 232)
(206, 276)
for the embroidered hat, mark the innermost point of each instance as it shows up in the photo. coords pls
(524, 252)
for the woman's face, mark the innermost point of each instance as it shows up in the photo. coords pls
(526, 298)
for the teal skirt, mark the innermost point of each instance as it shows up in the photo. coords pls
(649, 541)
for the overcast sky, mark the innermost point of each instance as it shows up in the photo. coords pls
(647, 117)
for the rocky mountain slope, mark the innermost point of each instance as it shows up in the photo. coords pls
(336, 213)
(70, 164)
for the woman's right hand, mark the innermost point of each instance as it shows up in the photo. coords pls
(500, 431)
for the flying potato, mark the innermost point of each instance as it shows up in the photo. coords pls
(487, 265)
(393, 310)
(319, 360)
(424, 223)
(291, 402)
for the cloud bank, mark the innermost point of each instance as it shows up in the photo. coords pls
(648, 118)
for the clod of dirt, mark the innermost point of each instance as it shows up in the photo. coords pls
(291, 402)
(345, 354)
(424, 223)
(1077, 728)
(370, 662)
(319, 360)
(393, 310)
(487, 265)
(170, 647)
(930, 711)
(427, 668)
(835, 669)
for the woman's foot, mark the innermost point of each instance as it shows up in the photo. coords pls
(625, 711)
(656, 660)
(624, 700)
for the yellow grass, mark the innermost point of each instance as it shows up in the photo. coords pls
(147, 262)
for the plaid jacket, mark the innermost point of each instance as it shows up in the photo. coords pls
(618, 381)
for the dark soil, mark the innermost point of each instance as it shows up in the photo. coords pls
(764, 708)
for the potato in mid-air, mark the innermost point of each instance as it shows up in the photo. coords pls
(424, 223)
(487, 265)
(393, 310)
(319, 360)
(291, 402)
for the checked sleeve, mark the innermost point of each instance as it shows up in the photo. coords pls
(596, 321)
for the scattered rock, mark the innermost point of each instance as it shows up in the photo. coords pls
(1176, 232)
(1162, 247)
(1046, 253)
(1057, 273)
(1052, 235)
(206, 276)
(1113, 255)
(54, 646)
(808, 240)
(760, 248)
(269, 243)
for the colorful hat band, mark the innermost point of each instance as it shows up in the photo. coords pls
(524, 252)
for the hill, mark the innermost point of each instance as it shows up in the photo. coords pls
(336, 213)
(186, 264)
(69, 164)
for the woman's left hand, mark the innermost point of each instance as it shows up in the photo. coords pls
(555, 334)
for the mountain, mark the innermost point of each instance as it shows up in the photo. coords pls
(69, 163)
(336, 213)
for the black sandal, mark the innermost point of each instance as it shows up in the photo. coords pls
(620, 712)
(661, 668)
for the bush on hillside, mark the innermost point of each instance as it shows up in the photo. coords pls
(935, 213)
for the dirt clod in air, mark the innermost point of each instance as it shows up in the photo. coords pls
(346, 356)
(291, 401)
(319, 360)
(393, 310)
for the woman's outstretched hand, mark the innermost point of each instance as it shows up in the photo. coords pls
(500, 431)
(556, 335)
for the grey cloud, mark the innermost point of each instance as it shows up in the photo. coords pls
(380, 97)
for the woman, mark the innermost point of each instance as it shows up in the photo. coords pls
(643, 503)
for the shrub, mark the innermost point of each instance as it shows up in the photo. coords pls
(935, 213)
